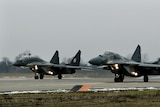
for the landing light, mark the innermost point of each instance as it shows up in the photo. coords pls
(50, 72)
(134, 73)
(36, 67)
(116, 66)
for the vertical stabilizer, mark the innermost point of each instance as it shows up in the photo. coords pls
(55, 58)
(137, 54)
(76, 59)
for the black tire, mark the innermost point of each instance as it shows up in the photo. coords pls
(146, 78)
(41, 76)
(116, 80)
(119, 78)
(60, 76)
(36, 77)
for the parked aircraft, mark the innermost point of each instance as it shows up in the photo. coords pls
(41, 67)
(121, 66)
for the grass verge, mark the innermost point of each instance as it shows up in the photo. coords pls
(146, 98)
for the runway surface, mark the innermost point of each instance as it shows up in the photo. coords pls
(20, 84)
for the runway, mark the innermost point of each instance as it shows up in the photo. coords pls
(51, 84)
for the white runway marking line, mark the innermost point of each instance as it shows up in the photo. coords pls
(92, 89)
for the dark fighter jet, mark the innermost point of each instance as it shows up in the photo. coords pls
(41, 67)
(122, 66)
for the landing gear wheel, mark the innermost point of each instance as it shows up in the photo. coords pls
(41, 76)
(60, 76)
(36, 77)
(119, 78)
(146, 78)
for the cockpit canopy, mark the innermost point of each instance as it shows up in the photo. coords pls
(108, 58)
(23, 61)
(113, 56)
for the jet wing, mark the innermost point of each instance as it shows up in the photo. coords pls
(122, 62)
(66, 66)
(73, 67)
(149, 65)
(132, 63)
(42, 64)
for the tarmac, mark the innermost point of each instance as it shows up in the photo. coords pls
(21, 84)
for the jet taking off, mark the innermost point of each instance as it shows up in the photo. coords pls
(121, 66)
(41, 67)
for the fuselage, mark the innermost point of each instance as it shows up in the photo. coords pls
(47, 70)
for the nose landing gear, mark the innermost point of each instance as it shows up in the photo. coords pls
(119, 78)
(39, 76)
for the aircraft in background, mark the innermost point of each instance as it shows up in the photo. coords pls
(122, 66)
(41, 67)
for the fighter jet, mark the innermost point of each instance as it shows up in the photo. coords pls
(41, 67)
(122, 66)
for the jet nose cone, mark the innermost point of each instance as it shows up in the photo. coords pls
(90, 61)
(95, 61)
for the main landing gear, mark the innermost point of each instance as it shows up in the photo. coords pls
(145, 78)
(39, 76)
(59, 76)
(119, 78)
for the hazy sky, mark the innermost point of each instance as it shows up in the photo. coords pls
(93, 26)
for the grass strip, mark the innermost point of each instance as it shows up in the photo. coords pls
(149, 98)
